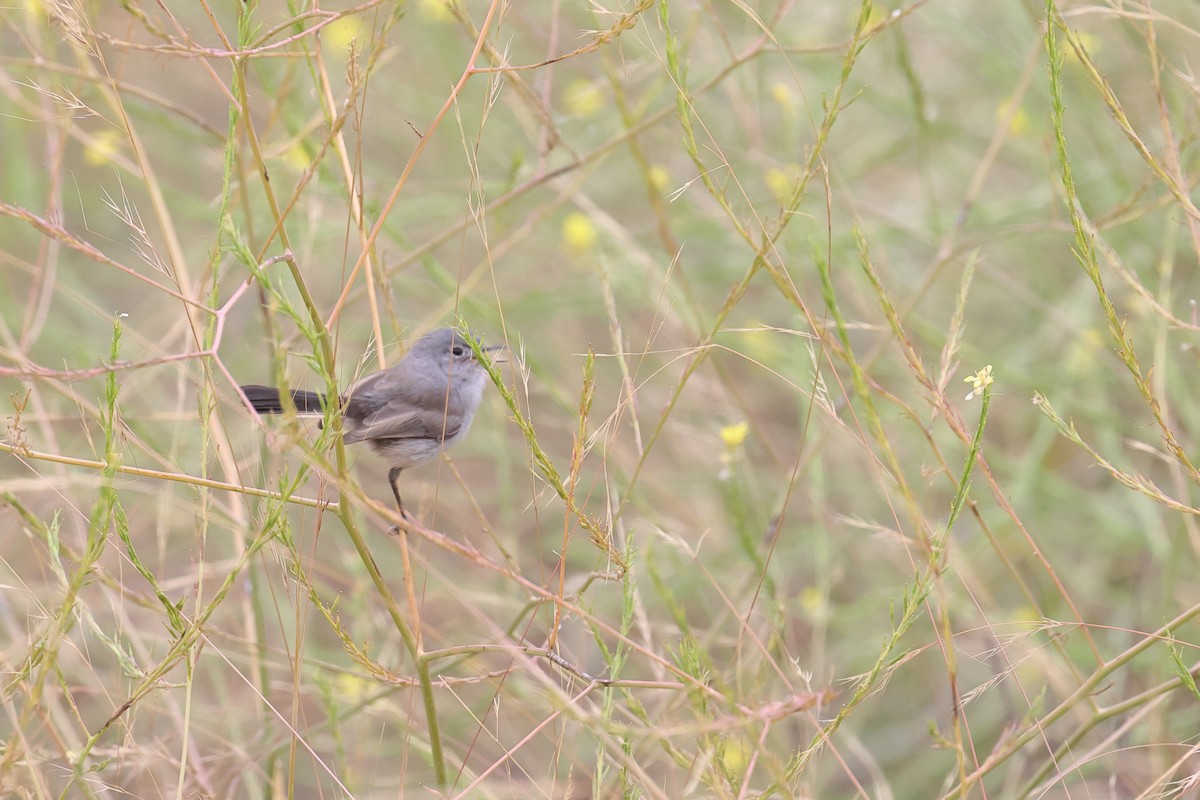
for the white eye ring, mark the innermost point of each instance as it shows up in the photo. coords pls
(458, 351)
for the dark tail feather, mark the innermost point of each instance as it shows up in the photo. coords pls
(265, 400)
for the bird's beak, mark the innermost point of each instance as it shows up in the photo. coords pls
(498, 353)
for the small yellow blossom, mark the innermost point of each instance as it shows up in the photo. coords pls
(1019, 124)
(782, 181)
(659, 177)
(103, 148)
(353, 688)
(735, 756)
(877, 17)
(764, 345)
(342, 32)
(812, 599)
(1028, 618)
(584, 98)
(579, 232)
(979, 381)
(782, 94)
(1091, 45)
(297, 156)
(436, 11)
(1084, 352)
(733, 435)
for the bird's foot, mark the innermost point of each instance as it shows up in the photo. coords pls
(407, 517)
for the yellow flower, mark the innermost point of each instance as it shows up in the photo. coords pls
(782, 180)
(877, 17)
(436, 11)
(584, 98)
(735, 755)
(811, 598)
(1019, 125)
(579, 232)
(1082, 354)
(353, 688)
(979, 381)
(781, 93)
(1091, 45)
(814, 603)
(1028, 618)
(297, 156)
(343, 31)
(659, 177)
(103, 147)
(733, 435)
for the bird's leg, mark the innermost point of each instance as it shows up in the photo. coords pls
(393, 478)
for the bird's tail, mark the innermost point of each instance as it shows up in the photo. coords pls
(265, 400)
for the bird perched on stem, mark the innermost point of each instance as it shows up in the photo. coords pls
(409, 412)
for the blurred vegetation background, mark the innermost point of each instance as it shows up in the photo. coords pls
(737, 521)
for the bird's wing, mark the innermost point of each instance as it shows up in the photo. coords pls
(401, 419)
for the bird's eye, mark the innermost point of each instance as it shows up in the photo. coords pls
(458, 351)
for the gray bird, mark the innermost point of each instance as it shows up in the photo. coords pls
(409, 412)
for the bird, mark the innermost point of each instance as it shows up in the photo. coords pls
(409, 412)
